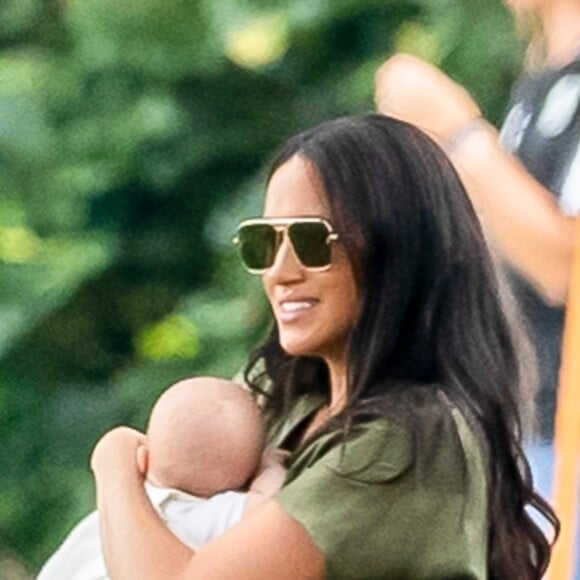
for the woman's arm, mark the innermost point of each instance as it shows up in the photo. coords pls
(519, 213)
(137, 545)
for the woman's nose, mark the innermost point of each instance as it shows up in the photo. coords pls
(286, 266)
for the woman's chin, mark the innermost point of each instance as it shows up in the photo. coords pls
(293, 350)
(302, 346)
(297, 348)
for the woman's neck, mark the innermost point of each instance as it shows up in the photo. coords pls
(560, 23)
(338, 385)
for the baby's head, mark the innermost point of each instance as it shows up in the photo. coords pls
(205, 435)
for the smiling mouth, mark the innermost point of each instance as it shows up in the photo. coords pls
(290, 307)
(293, 310)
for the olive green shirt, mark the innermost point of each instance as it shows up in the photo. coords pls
(383, 506)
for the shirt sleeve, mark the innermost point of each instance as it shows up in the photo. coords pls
(388, 505)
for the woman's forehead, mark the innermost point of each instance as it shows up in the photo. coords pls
(295, 190)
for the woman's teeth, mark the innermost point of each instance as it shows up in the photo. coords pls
(296, 306)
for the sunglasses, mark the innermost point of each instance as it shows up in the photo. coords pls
(259, 240)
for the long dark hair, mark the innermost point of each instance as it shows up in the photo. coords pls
(433, 311)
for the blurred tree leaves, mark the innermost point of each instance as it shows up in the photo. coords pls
(133, 137)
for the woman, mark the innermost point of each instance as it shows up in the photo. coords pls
(392, 375)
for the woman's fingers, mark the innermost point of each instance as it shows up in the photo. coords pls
(275, 456)
(117, 449)
(143, 459)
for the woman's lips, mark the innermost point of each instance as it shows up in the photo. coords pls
(290, 310)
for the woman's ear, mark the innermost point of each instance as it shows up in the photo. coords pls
(142, 459)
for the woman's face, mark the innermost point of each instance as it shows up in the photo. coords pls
(314, 310)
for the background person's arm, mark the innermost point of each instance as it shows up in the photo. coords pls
(137, 545)
(522, 217)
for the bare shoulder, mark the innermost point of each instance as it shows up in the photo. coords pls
(266, 544)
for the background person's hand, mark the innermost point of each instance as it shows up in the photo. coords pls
(417, 92)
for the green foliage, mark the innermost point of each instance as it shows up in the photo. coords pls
(133, 137)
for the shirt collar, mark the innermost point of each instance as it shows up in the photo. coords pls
(159, 496)
(304, 406)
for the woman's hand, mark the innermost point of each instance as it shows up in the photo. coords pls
(419, 93)
(273, 458)
(137, 545)
(115, 455)
(271, 473)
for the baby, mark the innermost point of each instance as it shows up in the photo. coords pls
(205, 468)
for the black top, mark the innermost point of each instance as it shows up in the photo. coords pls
(542, 129)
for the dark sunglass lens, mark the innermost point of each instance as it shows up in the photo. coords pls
(310, 242)
(257, 245)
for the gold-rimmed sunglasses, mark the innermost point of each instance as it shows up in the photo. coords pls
(259, 239)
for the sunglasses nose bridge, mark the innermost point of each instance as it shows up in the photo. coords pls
(280, 233)
(283, 250)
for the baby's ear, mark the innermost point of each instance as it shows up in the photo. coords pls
(142, 459)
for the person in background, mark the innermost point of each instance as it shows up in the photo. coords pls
(394, 375)
(524, 182)
(201, 457)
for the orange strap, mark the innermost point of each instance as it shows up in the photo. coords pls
(567, 436)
